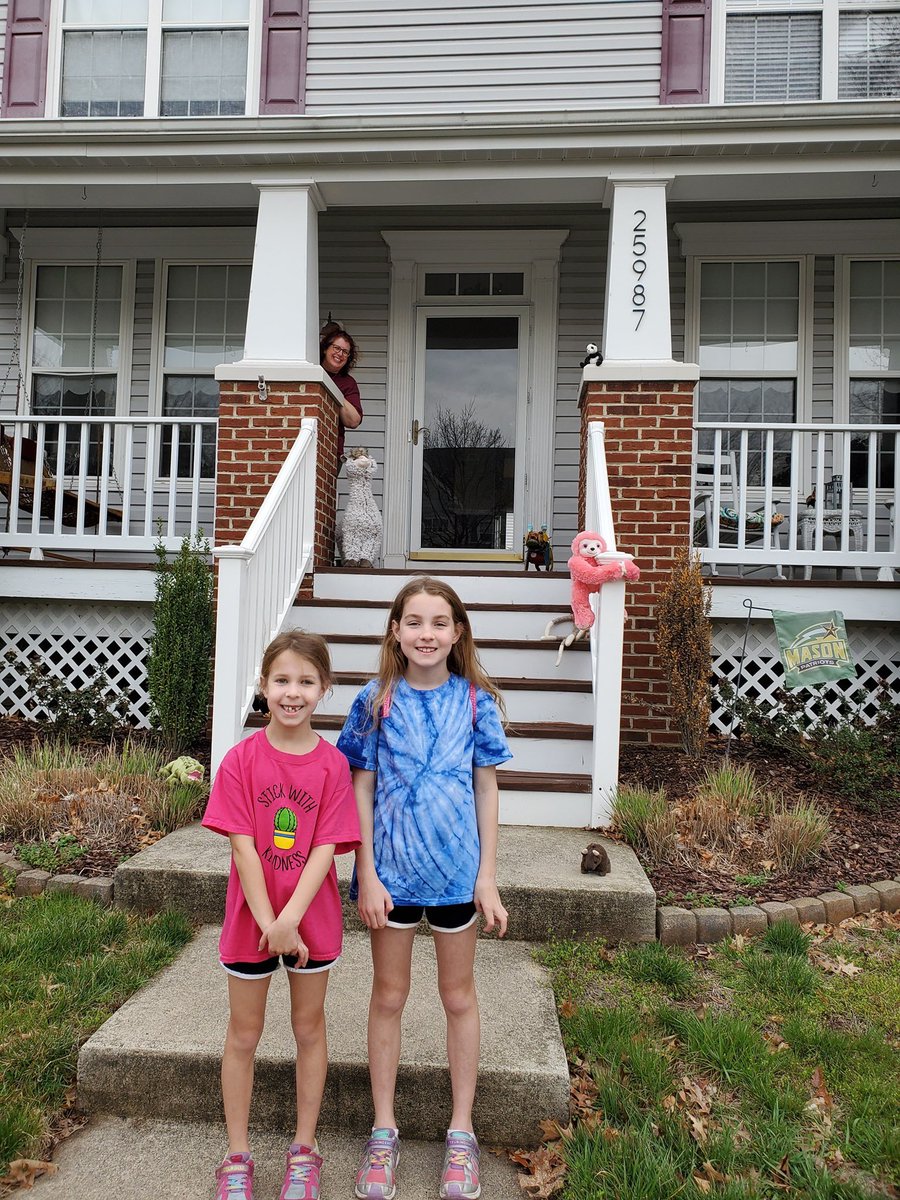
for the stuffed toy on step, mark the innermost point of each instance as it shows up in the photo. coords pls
(359, 531)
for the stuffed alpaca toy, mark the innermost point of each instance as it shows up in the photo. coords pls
(589, 572)
(359, 532)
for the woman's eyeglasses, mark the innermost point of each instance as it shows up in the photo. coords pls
(344, 353)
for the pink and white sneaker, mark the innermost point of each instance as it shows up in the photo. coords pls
(460, 1179)
(301, 1175)
(234, 1178)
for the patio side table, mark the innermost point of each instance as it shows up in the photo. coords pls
(832, 526)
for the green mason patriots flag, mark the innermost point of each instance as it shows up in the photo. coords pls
(814, 648)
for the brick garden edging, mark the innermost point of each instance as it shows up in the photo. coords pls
(31, 882)
(677, 926)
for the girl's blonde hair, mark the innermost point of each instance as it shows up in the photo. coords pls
(463, 659)
(305, 645)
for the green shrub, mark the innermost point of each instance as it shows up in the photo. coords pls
(856, 760)
(179, 671)
(93, 709)
(633, 808)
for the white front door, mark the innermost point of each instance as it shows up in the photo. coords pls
(468, 432)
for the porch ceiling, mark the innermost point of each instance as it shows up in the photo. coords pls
(712, 154)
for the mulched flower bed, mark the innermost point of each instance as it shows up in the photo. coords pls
(863, 846)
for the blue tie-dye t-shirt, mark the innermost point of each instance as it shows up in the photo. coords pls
(425, 830)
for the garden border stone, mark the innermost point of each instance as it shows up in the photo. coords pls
(674, 924)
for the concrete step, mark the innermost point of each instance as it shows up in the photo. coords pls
(501, 657)
(566, 701)
(472, 586)
(538, 874)
(368, 618)
(114, 1159)
(158, 1056)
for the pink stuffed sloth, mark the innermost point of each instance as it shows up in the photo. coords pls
(588, 574)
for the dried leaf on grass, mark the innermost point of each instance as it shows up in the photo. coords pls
(544, 1173)
(834, 966)
(24, 1171)
(583, 1089)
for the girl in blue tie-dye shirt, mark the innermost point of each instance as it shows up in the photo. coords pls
(424, 739)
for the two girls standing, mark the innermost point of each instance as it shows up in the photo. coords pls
(424, 739)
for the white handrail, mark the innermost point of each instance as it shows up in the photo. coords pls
(257, 585)
(607, 636)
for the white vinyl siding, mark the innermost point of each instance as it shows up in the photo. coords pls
(421, 56)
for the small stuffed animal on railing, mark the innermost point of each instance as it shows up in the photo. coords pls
(589, 572)
(359, 532)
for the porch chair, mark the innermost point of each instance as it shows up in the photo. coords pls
(833, 521)
(730, 520)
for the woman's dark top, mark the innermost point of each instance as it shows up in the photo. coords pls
(348, 389)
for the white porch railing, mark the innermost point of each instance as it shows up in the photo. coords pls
(258, 582)
(82, 483)
(798, 496)
(607, 636)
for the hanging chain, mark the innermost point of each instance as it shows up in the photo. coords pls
(14, 357)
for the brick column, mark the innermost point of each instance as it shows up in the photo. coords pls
(648, 436)
(254, 439)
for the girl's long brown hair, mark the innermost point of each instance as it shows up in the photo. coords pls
(463, 659)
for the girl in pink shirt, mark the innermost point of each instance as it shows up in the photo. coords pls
(285, 800)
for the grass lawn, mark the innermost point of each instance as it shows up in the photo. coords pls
(65, 965)
(761, 1068)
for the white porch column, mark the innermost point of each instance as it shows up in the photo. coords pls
(636, 324)
(283, 313)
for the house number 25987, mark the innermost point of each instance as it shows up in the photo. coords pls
(639, 265)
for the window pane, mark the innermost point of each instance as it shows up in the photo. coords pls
(475, 283)
(769, 401)
(103, 74)
(869, 55)
(874, 316)
(206, 316)
(190, 396)
(874, 402)
(105, 12)
(440, 283)
(65, 321)
(73, 395)
(507, 283)
(749, 316)
(773, 56)
(206, 12)
(204, 73)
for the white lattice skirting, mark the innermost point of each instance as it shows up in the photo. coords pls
(75, 640)
(875, 647)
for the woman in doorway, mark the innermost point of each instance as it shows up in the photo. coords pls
(337, 354)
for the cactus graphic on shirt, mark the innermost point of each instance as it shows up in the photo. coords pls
(285, 828)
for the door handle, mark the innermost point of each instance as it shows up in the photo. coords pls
(416, 430)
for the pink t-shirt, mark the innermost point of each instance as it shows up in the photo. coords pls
(288, 803)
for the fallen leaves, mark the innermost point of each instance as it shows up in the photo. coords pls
(545, 1171)
(24, 1171)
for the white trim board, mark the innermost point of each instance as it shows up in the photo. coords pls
(229, 243)
(76, 583)
(875, 603)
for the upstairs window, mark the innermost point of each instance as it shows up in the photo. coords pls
(795, 50)
(169, 58)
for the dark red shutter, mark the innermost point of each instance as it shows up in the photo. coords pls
(283, 83)
(685, 52)
(25, 65)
